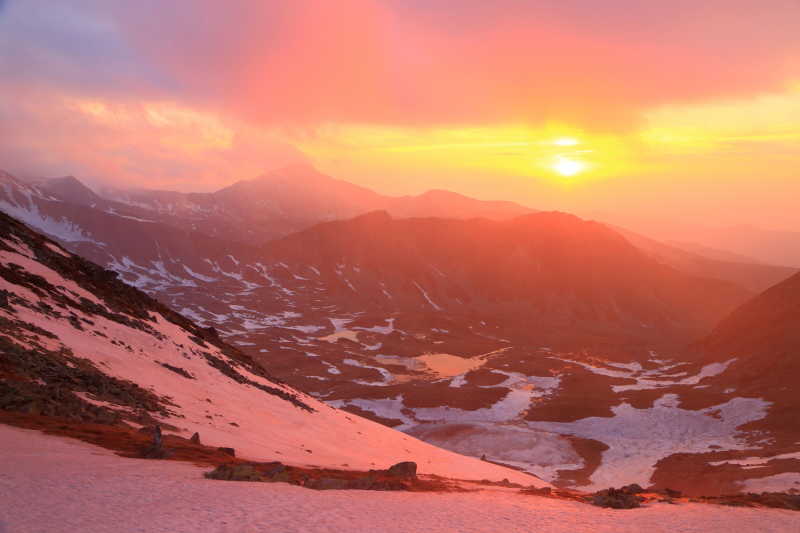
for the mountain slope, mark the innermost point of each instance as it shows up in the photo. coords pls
(78, 343)
(539, 271)
(759, 346)
(70, 189)
(763, 336)
(766, 326)
(152, 254)
(746, 273)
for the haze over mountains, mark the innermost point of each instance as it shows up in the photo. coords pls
(535, 339)
(294, 198)
(778, 247)
(553, 275)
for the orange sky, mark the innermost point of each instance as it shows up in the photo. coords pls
(641, 113)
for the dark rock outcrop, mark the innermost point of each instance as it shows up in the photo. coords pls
(406, 469)
(401, 478)
(618, 498)
(156, 449)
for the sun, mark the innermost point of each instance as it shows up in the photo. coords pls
(566, 141)
(568, 167)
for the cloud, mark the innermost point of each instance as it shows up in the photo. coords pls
(192, 93)
(414, 62)
(593, 63)
(130, 143)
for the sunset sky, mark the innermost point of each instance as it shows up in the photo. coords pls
(632, 111)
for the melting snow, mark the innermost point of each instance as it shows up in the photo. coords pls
(428, 298)
(639, 438)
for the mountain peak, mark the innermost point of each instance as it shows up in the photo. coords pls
(553, 217)
(294, 171)
(441, 193)
(70, 189)
(377, 216)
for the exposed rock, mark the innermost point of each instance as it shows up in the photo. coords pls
(324, 479)
(156, 449)
(544, 491)
(328, 483)
(178, 370)
(235, 472)
(634, 488)
(76, 323)
(777, 500)
(229, 451)
(406, 469)
(195, 438)
(616, 499)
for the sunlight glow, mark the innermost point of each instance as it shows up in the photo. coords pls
(568, 167)
(509, 150)
(566, 141)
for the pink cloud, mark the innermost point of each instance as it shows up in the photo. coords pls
(593, 63)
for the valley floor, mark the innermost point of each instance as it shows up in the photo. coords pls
(55, 484)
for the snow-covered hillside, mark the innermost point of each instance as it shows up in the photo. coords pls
(88, 489)
(78, 343)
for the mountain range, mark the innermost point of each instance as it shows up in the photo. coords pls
(571, 349)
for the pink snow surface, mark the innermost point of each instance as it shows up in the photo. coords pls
(54, 484)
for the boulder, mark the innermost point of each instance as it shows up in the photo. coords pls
(155, 450)
(544, 491)
(406, 469)
(228, 451)
(235, 472)
(616, 499)
(195, 438)
(633, 488)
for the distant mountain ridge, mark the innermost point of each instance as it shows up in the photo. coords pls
(193, 240)
(750, 274)
(778, 247)
(296, 197)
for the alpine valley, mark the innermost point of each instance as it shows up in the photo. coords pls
(540, 347)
